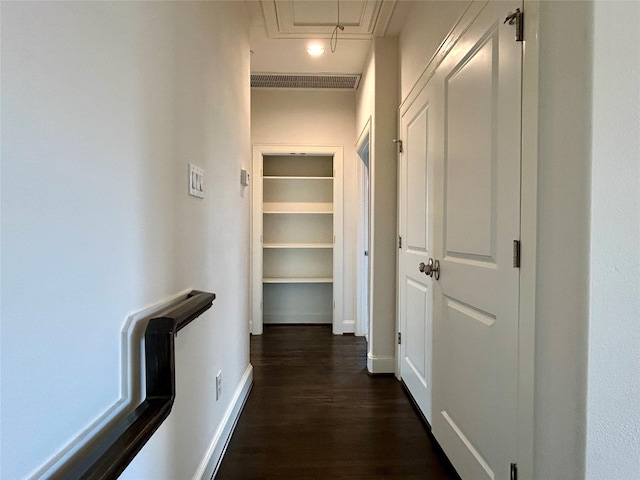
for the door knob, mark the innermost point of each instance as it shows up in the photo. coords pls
(431, 269)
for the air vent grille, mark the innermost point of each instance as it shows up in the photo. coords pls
(349, 82)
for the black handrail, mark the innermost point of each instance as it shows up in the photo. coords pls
(114, 448)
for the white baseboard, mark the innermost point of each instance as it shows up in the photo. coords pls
(270, 318)
(381, 364)
(211, 461)
(348, 326)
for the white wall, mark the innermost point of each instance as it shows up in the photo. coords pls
(613, 413)
(308, 117)
(562, 290)
(103, 105)
(366, 95)
(426, 26)
(377, 100)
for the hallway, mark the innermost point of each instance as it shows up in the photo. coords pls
(314, 412)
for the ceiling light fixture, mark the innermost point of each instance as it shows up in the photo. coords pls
(315, 50)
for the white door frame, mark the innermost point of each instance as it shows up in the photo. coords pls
(528, 212)
(528, 238)
(363, 285)
(259, 150)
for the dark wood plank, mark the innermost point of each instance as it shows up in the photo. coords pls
(315, 413)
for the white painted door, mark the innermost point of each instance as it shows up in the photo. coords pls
(478, 203)
(416, 214)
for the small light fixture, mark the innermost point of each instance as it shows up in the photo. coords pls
(315, 50)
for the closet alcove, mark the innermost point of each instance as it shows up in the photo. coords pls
(297, 236)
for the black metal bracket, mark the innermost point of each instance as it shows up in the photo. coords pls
(112, 449)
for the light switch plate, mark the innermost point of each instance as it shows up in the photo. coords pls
(219, 385)
(244, 177)
(196, 181)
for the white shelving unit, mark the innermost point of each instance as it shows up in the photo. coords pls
(297, 236)
(297, 280)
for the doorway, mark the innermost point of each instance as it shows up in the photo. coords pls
(297, 240)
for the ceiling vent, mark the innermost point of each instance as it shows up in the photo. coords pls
(270, 80)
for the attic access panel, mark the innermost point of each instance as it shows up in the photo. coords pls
(362, 19)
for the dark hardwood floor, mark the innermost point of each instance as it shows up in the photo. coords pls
(315, 413)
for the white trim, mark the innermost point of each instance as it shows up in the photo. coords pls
(211, 462)
(528, 240)
(377, 365)
(338, 232)
(348, 326)
(399, 227)
(292, 318)
(256, 243)
(363, 289)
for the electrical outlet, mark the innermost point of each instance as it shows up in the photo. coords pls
(219, 385)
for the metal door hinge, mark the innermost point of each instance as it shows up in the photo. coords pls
(514, 471)
(399, 142)
(399, 338)
(517, 19)
(516, 254)
(399, 242)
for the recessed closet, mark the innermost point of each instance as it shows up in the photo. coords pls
(297, 236)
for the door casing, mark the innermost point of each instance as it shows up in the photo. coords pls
(363, 234)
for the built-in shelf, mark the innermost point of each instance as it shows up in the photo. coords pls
(297, 280)
(298, 207)
(297, 245)
(297, 239)
(294, 212)
(297, 199)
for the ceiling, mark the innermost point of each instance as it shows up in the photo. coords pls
(282, 29)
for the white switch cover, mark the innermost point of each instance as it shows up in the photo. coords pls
(244, 177)
(219, 385)
(196, 181)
